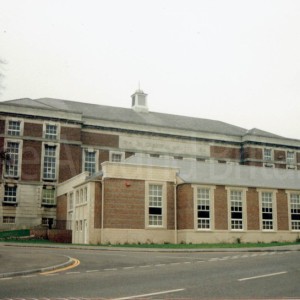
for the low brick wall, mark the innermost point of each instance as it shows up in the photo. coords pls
(60, 235)
(39, 233)
(53, 235)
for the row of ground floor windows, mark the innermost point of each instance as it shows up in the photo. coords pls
(237, 209)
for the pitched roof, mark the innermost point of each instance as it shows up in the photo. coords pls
(259, 132)
(225, 174)
(128, 115)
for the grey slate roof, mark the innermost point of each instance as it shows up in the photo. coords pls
(225, 174)
(128, 115)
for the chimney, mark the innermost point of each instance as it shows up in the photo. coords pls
(139, 101)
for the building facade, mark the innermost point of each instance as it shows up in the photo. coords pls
(48, 142)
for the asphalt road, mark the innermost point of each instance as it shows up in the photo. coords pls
(160, 275)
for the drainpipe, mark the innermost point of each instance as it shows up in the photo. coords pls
(102, 210)
(175, 214)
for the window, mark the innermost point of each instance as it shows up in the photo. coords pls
(77, 198)
(155, 205)
(49, 171)
(48, 196)
(71, 201)
(85, 195)
(203, 208)
(295, 211)
(116, 156)
(81, 196)
(51, 132)
(267, 154)
(267, 211)
(290, 157)
(12, 164)
(90, 161)
(236, 210)
(49, 222)
(10, 194)
(14, 128)
(9, 220)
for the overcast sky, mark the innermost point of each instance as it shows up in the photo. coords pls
(233, 61)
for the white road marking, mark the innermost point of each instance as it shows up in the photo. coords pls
(150, 294)
(128, 268)
(112, 269)
(28, 276)
(145, 266)
(261, 276)
(92, 271)
(6, 278)
(70, 273)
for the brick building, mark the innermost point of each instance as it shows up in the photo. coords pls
(54, 146)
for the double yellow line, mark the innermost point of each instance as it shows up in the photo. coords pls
(75, 263)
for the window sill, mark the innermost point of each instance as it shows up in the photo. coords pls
(48, 205)
(9, 204)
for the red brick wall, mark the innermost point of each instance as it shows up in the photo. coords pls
(99, 139)
(1, 149)
(185, 207)
(60, 236)
(97, 205)
(103, 156)
(253, 213)
(33, 130)
(279, 155)
(31, 161)
(253, 153)
(70, 133)
(170, 206)
(124, 205)
(70, 161)
(61, 208)
(221, 208)
(224, 152)
(54, 235)
(282, 210)
(2, 126)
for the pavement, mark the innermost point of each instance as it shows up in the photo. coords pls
(12, 264)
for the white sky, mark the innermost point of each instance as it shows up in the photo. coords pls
(233, 61)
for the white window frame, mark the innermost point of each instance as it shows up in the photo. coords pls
(235, 222)
(9, 220)
(9, 131)
(11, 163)
(84, 162)
(50, 136)
(56, 167)
(163, 204)
(211, 220)
(290, 207)
(290, 160)
(119, 153)
(274, 210)
(9, 196)
(48, 201)
(268, 158)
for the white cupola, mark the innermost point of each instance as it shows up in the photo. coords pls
(139, 101)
